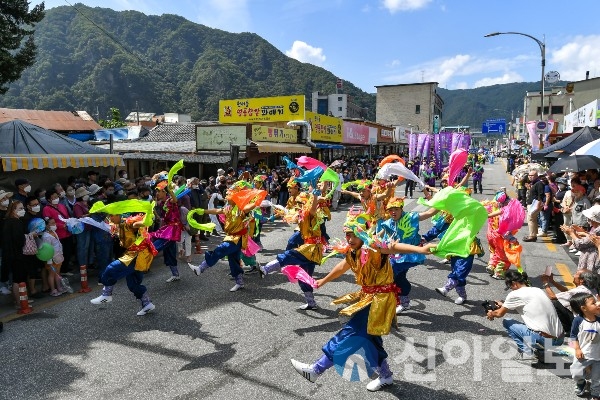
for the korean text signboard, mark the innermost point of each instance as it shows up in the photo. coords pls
(263, 109)
(270, 134)
(324, 128)
(220, 137)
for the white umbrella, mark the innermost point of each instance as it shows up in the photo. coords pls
(590, 149)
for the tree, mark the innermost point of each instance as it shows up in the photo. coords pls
(17, 48)
(115, 121)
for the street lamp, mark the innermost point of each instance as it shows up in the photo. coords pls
(543, 51)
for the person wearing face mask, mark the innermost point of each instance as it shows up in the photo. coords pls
(13, 240)
(477, 178)
(70, 198)
(23, 189)
(40, 194)
(122, 174)
(62, 197)
(81, 209)
(198, 199)
(57, 211)
(4, 273)
(53, 265)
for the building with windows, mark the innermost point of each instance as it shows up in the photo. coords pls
(414, 104)
(337, 105)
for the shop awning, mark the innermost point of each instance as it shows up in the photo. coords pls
(272, 147)
(329, 146)
(15, 162)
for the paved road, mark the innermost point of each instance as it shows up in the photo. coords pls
(205, 342)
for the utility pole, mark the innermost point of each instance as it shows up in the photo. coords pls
(137, 112)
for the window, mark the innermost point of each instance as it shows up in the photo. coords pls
(340, 98)
(557, 110)
(418, 109)
(339, 108)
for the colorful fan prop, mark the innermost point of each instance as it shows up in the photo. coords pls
(310, 163)
(458, 159)
(398, 169)
(294, 274)
(390, 159)
(126, 206)
(209, 227)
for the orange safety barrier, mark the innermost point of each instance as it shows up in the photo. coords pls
(23, 299)
(84, 281)
(198, 247)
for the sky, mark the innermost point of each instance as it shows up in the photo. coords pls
(386, 42)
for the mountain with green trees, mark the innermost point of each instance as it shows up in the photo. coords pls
(96, 59)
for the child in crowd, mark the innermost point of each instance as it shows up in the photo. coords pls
(586, 337)
(53, 265)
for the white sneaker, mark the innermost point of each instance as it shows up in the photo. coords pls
(145, 310)
(261, 270)
(195, 268)
(173, 279)
(305, 370)
(307, 307)
(5, 290)
(377, 384)
(402, 308)
(578, 253)
(236, 287)
(459, 300)
(446, 261)
(102, 299)
(442, 291)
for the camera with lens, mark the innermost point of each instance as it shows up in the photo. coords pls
(490, 305)
(579, 207)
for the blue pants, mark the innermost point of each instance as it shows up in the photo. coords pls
(84, 250)
(461, 267)
(356, 326)
(169, 249)
(436, 232)
(295, 241)
(103, 250)
(518, 331)
(232, 251)
(400, 271)
(292, 257)
(117, 270)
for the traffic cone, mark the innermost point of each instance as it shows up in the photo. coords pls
(198, 247)
(23, 299)
(84, 281)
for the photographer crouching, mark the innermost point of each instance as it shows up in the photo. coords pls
(540, 325)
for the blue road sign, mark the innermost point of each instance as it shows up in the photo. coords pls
(494, 126)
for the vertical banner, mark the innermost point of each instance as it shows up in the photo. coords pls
(533, 137)
(412, 146)
(437, 148)
(547, 135)
(427, 146)
(420, 143)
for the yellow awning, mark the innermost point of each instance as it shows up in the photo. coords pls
(15, 162)
(274, 147)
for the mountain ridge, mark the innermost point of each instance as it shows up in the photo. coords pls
(169, 64)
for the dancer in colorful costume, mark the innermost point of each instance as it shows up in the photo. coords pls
(371, 310)
(429, 175)
(372, 203)
(459, 243)
(403, 227)
(139, 253)
(165, 238)
(295, 240)
(310, 253)
(241, 200)
(503, 245)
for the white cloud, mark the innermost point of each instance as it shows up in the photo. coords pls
(573, 59)
(230, 16)
(394, 63)
(306, 53)
(508, 77)
(459, 85)
(394, 6)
